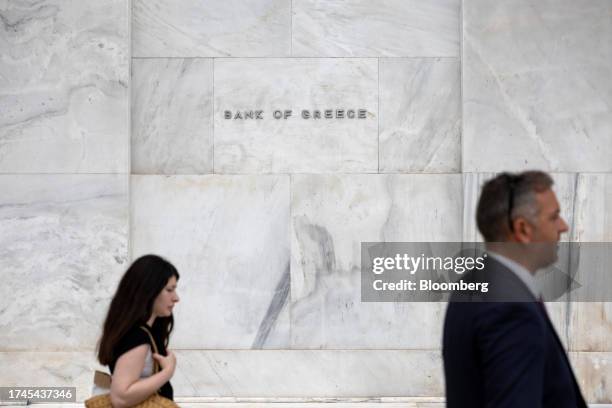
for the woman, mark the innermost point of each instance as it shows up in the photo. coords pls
(144, 301)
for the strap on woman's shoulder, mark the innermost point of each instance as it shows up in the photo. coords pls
(146, 330)
(156, 367)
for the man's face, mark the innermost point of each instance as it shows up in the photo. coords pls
(548, 228)
(550, 225)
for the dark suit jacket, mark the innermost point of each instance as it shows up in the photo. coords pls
(500, 349)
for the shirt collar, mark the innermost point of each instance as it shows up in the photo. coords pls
(520, 271)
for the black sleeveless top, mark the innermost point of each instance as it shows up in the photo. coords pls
(134, 338)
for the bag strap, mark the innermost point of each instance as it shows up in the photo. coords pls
(156, 367)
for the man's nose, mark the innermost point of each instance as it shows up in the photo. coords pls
(564, 227)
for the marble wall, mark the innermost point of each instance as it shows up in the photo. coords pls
(264, 216)
(64, 184)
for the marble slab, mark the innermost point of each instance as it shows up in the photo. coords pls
(536, 86)
(591, 323)
(50, 369)
(309, 373)
(249, 375)
(63, 248)
(296, 144)
(592, 373)
(64, 87)
(228, 236)
(272, 376)
(389, 28)
(331, 215)
(172, 129)
(194, 28)
(420, 115)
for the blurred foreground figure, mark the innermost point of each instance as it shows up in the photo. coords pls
(500, 349)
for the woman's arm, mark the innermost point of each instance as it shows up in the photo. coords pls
(127, 388)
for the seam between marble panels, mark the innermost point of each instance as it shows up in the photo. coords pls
(378, 118)
(213, 117)
(306, 57)
(130, 104)
(290, 237)
(568, 305)
(461, 85)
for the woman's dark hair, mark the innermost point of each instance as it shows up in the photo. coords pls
(132, 304)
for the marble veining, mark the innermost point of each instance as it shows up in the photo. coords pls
(63, 248)
(592, 371)
(420, 115)
(50, 369)
(63, 87)
(331, 216)
(591, 322)
(280, 298)
(228, 237)
(385, 28)
(309, 373)
(251, 376)
(239, 378)
(172, 129)
(536, 85)
(195, 28)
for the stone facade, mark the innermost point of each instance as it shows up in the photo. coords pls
(264, 215)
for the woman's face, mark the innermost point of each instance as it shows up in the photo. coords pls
(164, 302)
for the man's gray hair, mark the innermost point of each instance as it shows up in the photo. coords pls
(506, 197)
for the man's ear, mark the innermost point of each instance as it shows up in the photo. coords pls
(523, 230)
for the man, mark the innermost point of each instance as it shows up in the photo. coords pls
(500, 349)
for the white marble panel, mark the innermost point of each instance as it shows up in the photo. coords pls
(593, 371)
(229, 238)
(296, 144)
(537, 91)
(309, 373)
(420, 115)
(195, 28)
(591, 323)
(172, 129)
(249, 375)
(50, 369)
(389, 28)
(63, 248)
(331, 216)
(64, 87)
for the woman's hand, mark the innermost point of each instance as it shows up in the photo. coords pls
(167, 363)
